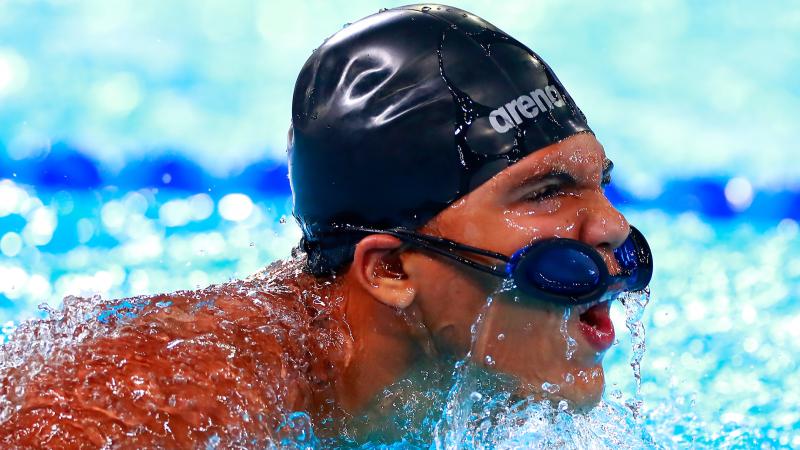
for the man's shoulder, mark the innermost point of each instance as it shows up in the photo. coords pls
(227, 360)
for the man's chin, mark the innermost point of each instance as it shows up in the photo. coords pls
(581, 388)
(586, 390)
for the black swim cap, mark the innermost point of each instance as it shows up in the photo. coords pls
(401, 113)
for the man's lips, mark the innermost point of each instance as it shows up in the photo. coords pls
(596, 326)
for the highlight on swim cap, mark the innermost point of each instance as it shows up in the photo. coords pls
(403, 112)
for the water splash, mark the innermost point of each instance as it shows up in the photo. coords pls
(482, 412)
(571, 343)
(466, 385)
(550, 388)
(498, 422)
(221, 340)
(634, 303)
(35, 344)
(463, 392)
(297, 433)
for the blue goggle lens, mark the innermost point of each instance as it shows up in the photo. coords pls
(567, 271)
(561, 270)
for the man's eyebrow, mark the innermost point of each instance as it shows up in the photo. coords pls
(608, 167)
(541, 175)
(565, 179)
(564, 174)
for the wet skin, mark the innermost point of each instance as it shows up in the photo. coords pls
(182, 370)
(232, 360)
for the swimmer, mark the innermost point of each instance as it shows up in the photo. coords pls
(435, 163)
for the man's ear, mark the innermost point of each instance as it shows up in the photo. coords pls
(379, 270)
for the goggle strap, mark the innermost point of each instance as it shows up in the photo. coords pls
(435, 244)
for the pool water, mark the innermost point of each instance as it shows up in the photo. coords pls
(722, 324)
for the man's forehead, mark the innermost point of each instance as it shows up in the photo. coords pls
(576, 154)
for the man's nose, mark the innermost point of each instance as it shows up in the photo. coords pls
(604, 228)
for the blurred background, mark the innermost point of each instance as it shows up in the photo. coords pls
(142, 149)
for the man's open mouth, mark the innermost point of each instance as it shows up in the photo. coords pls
(596, 326)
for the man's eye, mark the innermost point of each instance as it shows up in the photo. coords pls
(547, 190)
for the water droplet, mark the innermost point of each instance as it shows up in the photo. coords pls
(426, 8)
(501, 337)
(569, 378)
(347, 24)
(383, 10)
(9, 327)
(282, 219)
(571, 343)
(563, 405)
(475, 396)
(297, 429)
(550, 387)
(489, 360)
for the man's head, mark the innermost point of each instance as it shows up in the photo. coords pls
(430, 119)
(402, 113)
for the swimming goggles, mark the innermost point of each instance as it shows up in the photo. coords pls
(557, 270)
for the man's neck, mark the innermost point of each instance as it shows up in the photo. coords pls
(383, 351)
